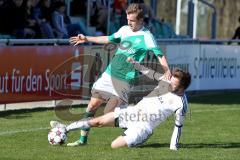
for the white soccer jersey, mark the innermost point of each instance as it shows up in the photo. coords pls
(151, 111)
(142, 37)
(165, 106)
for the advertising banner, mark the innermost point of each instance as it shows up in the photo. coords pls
(213, 67)
(35, 73)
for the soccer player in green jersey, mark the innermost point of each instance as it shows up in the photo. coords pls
(113, 85)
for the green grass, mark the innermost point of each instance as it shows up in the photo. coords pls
(211, 132)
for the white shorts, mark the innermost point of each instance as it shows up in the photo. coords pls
(108, 86)
(135, 136)
(137, 132)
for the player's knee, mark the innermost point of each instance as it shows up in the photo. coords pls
(91, 107)
(114, 145)
(94, 104)
(118, 143)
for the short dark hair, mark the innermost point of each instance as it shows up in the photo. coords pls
(183, 76)
(135, 8)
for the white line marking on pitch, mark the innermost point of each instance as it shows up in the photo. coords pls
(23, 131)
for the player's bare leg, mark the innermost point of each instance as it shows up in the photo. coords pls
(112, 103)
(104, 120)
(119, 142)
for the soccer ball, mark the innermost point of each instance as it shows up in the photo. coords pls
(57, 136)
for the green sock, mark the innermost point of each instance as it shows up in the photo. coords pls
(87, 115)
(83, 139)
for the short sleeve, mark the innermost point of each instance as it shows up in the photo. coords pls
(151, 45)
(116, 37)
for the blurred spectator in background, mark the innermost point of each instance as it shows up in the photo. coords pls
(119, 5)
(48, 18)
(79, 8)
(78, 12)
(119, 17)
(46, 9)
(159, 28)
(46, 30)
(62, 24)
(30, 21)
(16, 22)
(99, 14)
(237, 32)
(136, 1)
(3, 28)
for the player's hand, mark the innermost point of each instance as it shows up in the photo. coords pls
(167, 75)
(130, 59)
(75, 40)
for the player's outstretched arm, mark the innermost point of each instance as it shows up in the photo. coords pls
(146, 71)
(80, 38)
(177, 131)
(164, 63)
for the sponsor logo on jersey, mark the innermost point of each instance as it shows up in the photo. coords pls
(138, 40)
(131, 51)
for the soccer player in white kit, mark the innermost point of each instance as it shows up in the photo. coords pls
(141, 119)
(113, 86)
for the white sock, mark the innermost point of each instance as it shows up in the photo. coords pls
(78, 125)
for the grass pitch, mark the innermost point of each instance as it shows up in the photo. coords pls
(210, 132)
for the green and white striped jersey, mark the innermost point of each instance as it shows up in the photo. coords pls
(132, 44)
